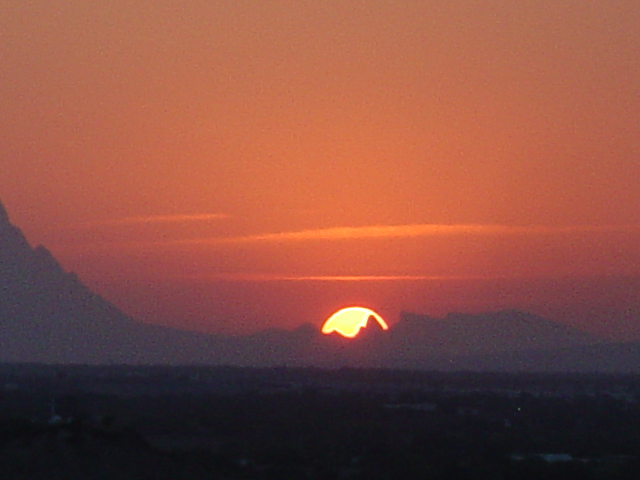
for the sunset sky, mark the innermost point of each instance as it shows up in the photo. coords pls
(231, 166)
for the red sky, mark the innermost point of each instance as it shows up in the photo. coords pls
(231, 166)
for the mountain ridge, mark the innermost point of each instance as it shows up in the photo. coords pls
(47, 315)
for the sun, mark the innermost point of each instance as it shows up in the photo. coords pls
(348, 321)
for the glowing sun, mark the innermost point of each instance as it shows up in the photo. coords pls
(348, 321)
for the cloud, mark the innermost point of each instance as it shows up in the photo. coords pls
(160, 219)
(414, 230)
(353, 233)
(267, 277)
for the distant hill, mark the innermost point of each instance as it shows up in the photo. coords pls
(48, 316)
(417, 338)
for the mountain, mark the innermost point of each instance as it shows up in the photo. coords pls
(420, 336)
(47, 315)
(457, 342)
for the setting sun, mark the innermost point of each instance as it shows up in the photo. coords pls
(348, 321)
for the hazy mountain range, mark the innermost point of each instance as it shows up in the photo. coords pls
(47, 315)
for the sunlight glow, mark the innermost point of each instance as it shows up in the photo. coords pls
(348, 321)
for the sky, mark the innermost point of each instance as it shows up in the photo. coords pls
(230, 166)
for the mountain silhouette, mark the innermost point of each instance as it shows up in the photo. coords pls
(466, 334)
(48, 315)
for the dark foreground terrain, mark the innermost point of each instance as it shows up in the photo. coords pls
(197, 423)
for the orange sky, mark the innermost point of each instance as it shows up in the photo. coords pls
(230, 166)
